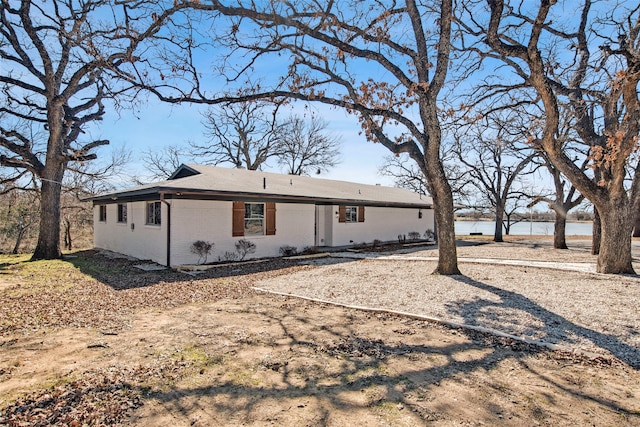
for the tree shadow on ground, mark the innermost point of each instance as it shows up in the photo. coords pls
(121, 273)
(311, 367)
(545, 325)
(357, 373)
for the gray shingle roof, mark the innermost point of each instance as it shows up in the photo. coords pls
(226, 183)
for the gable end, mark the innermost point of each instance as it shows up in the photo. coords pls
(183, 171)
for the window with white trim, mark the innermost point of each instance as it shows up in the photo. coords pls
(254, 219)
(351, 214)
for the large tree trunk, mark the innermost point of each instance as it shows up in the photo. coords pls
(440, 190)
(596, 233)
(497, 233)
(443, 211)
(560, 231)
(636, 227)
(615, 247)
(445, 227)
(48, 246)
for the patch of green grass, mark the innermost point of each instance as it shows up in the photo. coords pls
(54, 275)
(55, 381)
(243, 375)
(8, 262)
(51, 274)
(198, 357)
(191, 361)
(87, 266)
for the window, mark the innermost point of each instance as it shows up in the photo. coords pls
(122, 213)
(351, 214)
(153, 213)
(254, 219)
(102, 213)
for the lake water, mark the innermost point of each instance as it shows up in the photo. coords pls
(522, 228)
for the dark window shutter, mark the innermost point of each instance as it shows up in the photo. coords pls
(238, 219)
(270, 216)
(342, 214)
(360, 213)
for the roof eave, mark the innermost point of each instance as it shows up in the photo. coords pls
(189, 193)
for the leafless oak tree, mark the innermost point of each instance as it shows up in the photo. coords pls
(565, 196)
(589, 60)
(244, 134)
(161, 163)
(494, 153)
(405, 173)
(60, 59)
(307, 147)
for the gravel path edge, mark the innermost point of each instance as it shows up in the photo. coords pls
(455, 325)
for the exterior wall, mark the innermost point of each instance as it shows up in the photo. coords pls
(211, 221)
(384, 224)
(134, 237)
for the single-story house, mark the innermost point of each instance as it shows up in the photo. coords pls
(162, 220)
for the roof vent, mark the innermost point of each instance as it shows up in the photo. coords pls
(264, 183)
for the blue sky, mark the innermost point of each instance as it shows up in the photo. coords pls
(158, 125)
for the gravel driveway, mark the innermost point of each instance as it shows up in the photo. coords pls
(525, 289)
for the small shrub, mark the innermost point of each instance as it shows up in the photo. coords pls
(310, 250)
(228, 256)
(377, 243)
(202, 249)
(413, 235)
(245, 247)
(287, 250)
(402, 238)
(430, 235)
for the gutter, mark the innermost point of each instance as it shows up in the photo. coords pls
(171, 193)
(162, 199)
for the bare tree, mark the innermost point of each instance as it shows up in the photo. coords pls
(335, 53)
(306, 147)
(564, 195)
(593, 65)
(494, 153)
(83, 180)
(565, 198)
(162, 163)
(244, 134)
(60, 62)
(405, 173)
(18, 215)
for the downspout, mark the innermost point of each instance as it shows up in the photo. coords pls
(168, 228)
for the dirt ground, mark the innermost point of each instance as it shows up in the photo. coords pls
(94, 341)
